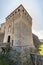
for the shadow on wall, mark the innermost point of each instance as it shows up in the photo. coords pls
(36, 41)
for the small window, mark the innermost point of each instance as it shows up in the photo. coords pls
(15, 12)
(18, 9)
(23, 10)
(12, 42)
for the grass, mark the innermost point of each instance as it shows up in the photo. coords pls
(3, 60)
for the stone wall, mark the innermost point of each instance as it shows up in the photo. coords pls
(18, 26)
(37, 59)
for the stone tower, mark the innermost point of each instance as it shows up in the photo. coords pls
(18, 28)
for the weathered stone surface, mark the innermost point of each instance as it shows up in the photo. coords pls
(18, 26)
(1, 37)
(22, 34)
(20, 57)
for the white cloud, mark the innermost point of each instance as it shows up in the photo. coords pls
(38, 33)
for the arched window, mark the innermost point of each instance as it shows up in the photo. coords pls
(8, 39)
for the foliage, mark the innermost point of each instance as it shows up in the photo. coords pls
(6, 49)
(17, 55)
(40, 49)
(3, 60)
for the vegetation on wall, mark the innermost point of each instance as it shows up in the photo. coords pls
(3, 61)
(17, 56)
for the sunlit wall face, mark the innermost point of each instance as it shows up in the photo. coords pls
(22, 34)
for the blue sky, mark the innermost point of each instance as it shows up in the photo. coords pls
(34, 8)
